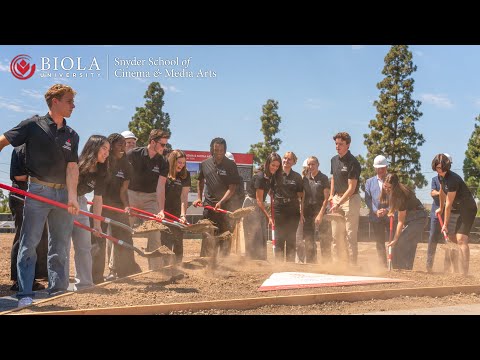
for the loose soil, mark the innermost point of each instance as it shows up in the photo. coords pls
(234, 278)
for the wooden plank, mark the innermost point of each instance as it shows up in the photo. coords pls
(252, 303)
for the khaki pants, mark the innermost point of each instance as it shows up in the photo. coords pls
(147, 202)
(345, 233)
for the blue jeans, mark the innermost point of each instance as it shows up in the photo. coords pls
(60, 224)
(434, 238)
(82, 244)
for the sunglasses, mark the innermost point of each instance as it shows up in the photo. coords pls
(161, 144)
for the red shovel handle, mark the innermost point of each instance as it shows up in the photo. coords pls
(64, 206)
(391, 228)
(217, 210)
(440, 220)
(153, 217)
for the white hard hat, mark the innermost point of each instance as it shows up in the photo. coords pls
(128, 135)
(229, 155)
(449, 157)
(305, 163)
(379, 161)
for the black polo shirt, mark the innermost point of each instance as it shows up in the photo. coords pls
(119, 172)
(314, 187)
(285, 191)
(92, 181)
(47, 155)
(217, 178)
(145, 170)
(173, 194)
(258, 181)
(17, 167)
(463, 198)
(343, 169)
(410, 203)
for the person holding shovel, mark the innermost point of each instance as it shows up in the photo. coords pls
(121, 261)
(411, 220)
(176, 199)
(92, 173)
(220, 176)
(146, 190)
(254, 223)
(52, 155)
(435, 235)
(458, 207)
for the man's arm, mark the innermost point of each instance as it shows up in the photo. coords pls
(72, 183)
(228, 194)
(161, 195)
(3, 142)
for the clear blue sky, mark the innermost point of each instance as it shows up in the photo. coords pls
(320, 89)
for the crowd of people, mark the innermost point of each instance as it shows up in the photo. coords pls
(121, 175)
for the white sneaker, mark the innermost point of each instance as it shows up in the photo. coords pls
(26, 301)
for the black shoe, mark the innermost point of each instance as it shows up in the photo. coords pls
(14, 286)
(37, 286)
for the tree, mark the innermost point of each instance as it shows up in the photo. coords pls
(393, 133)
(4, 207)
(270, 126)
(471, 164)
(151, 115)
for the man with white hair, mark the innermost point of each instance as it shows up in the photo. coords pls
(130, 140)
(377, 217)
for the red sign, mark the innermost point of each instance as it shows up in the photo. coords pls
(199, 156)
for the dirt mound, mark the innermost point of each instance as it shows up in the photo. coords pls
(240, 213)
(151, 225)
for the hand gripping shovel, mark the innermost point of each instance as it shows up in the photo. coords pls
(145, 217)
(237, 214)
(451, 257)
(389, 248)
(148, 215)
(64, 206)
(155, 253)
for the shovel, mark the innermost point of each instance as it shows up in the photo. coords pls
(273, 226)
(152, 216)
(155, 253)
(64, 206)
(389, 248)
(140, 216)
(451, 253)
(237, 214)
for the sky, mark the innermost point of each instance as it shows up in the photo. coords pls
(321, 90)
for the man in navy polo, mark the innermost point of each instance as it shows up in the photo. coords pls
(52, 164)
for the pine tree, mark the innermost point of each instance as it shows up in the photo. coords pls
(393, 133)
(151, 115)
(270, 126)
(471, 164)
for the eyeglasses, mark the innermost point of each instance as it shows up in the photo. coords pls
(439, 167)
(161, 144)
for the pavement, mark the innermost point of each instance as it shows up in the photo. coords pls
(11, 302)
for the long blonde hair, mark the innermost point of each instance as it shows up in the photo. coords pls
(172, 165)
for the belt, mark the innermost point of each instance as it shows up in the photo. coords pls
(49, 184)
(283, 201)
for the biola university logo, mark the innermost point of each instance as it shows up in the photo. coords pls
(69, 67)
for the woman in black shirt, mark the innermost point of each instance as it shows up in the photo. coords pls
(254, 223)
(459, 205)
(411, 221)
(288, 194)
(92, 171)
(176, 199)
